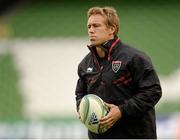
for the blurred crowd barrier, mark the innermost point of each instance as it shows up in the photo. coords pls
(168, 127)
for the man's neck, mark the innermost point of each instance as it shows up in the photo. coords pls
(100, 52)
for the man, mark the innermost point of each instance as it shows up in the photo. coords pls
(122, 76)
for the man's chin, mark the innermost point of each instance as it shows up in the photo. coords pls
(92, 43)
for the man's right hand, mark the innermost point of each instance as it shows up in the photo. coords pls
(79, 116)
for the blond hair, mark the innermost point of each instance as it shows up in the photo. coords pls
(112, 19)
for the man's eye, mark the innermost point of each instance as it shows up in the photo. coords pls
(96, 25)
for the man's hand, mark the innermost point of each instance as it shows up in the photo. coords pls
(111, 118)
(79, 116)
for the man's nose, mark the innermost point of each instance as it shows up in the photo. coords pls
(91, 30)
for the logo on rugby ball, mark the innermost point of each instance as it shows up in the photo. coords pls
(93, 119)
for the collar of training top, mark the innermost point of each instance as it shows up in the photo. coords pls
(107, 46)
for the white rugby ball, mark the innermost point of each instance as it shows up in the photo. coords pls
(91, 109)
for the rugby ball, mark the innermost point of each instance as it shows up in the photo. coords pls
(91, 109)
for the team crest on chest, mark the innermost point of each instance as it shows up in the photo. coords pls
(116, 66)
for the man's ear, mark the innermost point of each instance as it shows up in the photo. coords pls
(112, 29)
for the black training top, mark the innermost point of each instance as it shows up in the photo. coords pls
(126, 78)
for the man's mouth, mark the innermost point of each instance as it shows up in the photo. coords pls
(92, 38)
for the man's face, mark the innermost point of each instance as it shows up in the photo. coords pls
(98, 31)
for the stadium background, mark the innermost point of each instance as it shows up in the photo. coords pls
(41, 44)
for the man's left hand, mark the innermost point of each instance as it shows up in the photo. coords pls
(110, 119)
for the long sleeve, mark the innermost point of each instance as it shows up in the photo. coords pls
(148, 87)
(81, 88)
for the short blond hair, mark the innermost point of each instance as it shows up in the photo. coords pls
(112, 19)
